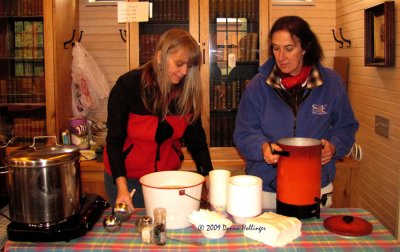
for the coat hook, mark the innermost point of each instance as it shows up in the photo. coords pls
(340, 42)
(79, 39)
(122, 35)
(72, 39)
(69, 41)
(80, 36)
(346, 40)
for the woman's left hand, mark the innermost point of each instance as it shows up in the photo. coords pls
(328, 151)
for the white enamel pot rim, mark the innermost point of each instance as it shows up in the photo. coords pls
(145, 183)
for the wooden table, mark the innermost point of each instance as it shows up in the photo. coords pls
(314, 238)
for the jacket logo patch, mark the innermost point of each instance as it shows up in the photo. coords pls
(319, 109)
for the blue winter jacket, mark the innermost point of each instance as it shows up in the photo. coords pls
(263, 116)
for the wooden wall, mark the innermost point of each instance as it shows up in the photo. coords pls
(102, 39)
(374, 91)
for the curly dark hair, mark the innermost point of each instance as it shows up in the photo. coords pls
(299, 28)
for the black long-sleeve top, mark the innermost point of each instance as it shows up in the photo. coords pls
(139, 143)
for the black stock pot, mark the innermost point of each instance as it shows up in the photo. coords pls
(44, 184)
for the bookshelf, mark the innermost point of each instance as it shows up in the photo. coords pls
(22, 83)
(234, 59)
(35, 73)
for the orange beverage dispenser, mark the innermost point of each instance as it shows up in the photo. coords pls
(299, 178)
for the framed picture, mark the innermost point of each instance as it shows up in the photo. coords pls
(292, 2)
(380, 35)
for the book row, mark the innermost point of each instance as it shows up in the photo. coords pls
(170, 10)
(234, 9)
(226, 95)
(28, 39)
(243, 48)
(21, 8)
(222, 126)
(23, 55)
(248, 47)
(22, 90)
(178, 10)
(25, 128)
(148, 44)
(29, 68)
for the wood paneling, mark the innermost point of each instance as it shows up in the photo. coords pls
(373, 91)
(101, 38)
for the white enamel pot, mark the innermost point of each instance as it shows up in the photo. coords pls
(179, 192)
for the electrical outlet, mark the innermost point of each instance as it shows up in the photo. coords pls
(382, 126)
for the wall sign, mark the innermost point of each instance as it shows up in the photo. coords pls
(133, 12)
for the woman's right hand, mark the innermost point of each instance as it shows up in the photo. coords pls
(270, 158)
(123, 196)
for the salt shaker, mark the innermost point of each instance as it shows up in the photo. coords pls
(147, 230)
(160, 230)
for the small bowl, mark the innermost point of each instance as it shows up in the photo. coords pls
(111, 224)
(214, 234)
(121, 211)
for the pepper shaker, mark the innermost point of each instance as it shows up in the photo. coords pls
(160, 230)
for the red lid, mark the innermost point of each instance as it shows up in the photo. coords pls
(348, 225)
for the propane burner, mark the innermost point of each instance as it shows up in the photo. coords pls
(73, 227)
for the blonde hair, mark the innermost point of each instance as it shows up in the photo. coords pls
(157, 88)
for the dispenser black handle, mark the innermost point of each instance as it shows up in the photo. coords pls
(280, 153)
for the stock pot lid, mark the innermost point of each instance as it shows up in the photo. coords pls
(42, 156)
(347, 225)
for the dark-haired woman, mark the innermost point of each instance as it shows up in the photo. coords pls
(293, 95)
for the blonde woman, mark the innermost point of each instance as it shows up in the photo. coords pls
(149, 110)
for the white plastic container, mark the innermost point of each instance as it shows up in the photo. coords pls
(218, 190)
(179, 192)
(244, 197)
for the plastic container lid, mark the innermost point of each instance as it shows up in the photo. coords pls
(347, 225)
